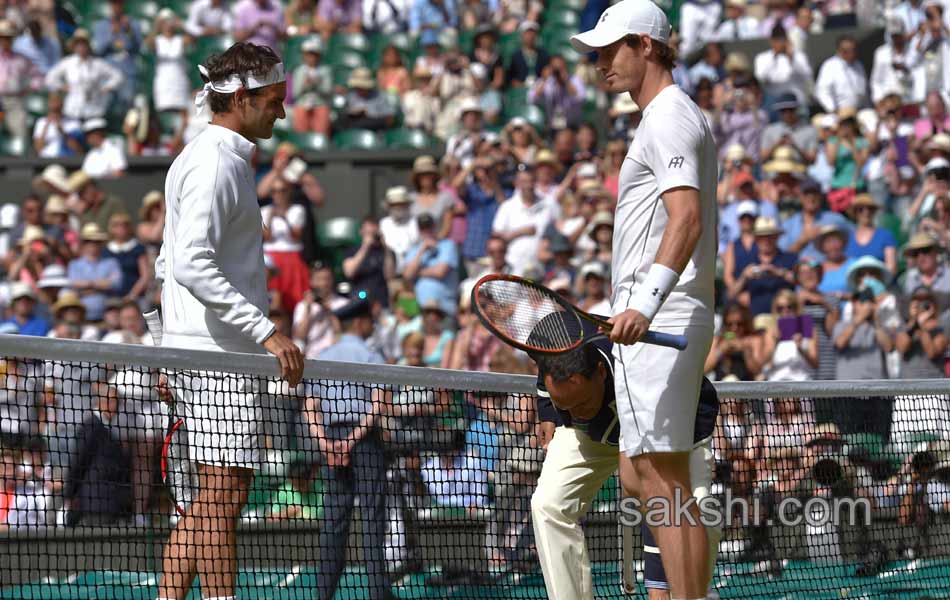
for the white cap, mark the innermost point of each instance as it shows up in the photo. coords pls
(593, 268)
(587, 170)
(627, 17)
(747, 207)
(94, 124)
(937, 163)
(18, 289)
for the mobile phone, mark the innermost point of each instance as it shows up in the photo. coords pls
(789, 326)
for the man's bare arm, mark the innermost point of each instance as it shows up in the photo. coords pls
(683, 229)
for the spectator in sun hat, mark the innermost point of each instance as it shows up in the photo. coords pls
(867, 239)
(522, 139)
(313, 85)
(23, 315)
(741, 251)
(772, 271)
(831, 241)
(936, 184)
(625, 116)
(399, 228)
(87, 81)
(803, 226)
(790, 130)
(105, 159)
(53, 179)
(922, 341)
(432, 267)
(93, 275)
(421, 104)
(426, 196)
(528, 61)
(31, 256)
(365, 107)
(151, 220)
(737, 67)
(592, 288)
(56, 216)
(68, 308)
(462, 145)
(926, 267)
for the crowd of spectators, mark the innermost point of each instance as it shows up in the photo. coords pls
(834, 226)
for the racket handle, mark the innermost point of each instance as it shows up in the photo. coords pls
(153, 321)
(665, 339)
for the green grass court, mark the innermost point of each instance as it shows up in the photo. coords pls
(903, 580)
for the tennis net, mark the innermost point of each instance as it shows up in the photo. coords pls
(833, 489)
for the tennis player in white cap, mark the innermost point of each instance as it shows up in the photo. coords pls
(214, 297)
(664, 267)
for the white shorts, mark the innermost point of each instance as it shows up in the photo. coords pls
(657, 391)
(224, 417)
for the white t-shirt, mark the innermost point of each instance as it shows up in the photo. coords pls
(54, 142)
(674, 147)
(281, 239)
(105, 160)
(515, 214)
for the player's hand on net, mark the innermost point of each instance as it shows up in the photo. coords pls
(164, 393)
(628, 327)
(288, 355)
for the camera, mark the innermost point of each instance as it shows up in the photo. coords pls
(942, 174)
(865, 295)
(827, 472)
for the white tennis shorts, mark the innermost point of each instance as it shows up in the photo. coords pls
(224, 417)
(657, 391)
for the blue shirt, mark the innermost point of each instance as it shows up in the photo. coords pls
(793, 230)
(425, 15)
(482, 207)
(34, 326)
(441, 290)
(44, 54)
(835, 281)
(342, 402)
(763, 289)
(729, 221)
(881, 239)
(81, 269)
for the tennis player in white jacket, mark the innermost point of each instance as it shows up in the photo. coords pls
(214, 297)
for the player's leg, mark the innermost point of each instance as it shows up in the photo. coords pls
(369, 466)
(204, 542)
(574, 469)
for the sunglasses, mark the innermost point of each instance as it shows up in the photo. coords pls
(734, 323)
(865, 209)
(916, 253)
(785, 307)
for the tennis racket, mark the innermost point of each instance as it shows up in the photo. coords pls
(178, 471)
(533, 318)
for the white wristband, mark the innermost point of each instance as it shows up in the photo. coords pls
(649, 296)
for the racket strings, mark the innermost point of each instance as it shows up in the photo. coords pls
(527, 315)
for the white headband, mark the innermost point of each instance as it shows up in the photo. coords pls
(233, 84)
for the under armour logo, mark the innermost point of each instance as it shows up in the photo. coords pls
(656, 291)
(603, 17)
(675, 162)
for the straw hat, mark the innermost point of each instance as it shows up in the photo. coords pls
(470, 105)
(398, 195)
(920, 241)
(848, 112)
(424, 164)
(600, 219)
(151, 199)
(940, 142)
(784, 160)
(7, 28)
(736, 152)
(67, 299)
(767, 226)
(867, 262)
(32, 233)
(421, 71)
(544, 157)
(55, 205)
(828, 230)
(824, 121)
(79, 35)
(592, 187)
(53, 176)
(78, 180)
(361, 79)
(864, 200)
(91, 232)
(737, 61)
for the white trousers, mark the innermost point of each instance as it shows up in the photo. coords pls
(574, 470)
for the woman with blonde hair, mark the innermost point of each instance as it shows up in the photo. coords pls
(789, 350)
(171, 88)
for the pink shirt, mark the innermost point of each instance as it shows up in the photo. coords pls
(247, 14)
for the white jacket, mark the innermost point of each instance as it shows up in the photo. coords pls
(214, 295)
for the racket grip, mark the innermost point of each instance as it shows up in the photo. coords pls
(153, 320)
(665, 339)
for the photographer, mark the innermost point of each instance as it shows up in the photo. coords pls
(925, 267)
(559, 93)
(741, 120)
(314, 327)
(936, 184)
(923, 491)
(922, 342)
(370, 265)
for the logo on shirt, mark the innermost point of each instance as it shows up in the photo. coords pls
(675, 162)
